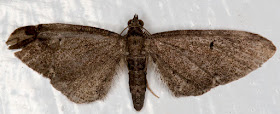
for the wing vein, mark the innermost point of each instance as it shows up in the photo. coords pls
(174, 71)
(227, 54)
(186, 56)
(106, 59)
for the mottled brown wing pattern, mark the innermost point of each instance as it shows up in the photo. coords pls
(191, 62)
(80, 61)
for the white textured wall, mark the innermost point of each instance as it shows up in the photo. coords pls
(23, 91)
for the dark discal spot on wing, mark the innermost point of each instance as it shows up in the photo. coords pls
(212, 44)
(80, 61)
(191, 62)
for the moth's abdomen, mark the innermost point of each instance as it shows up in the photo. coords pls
(137, 80)
(136, 61)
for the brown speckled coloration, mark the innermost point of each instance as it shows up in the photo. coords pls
(191, 62)
(81, 61)
(136, 60)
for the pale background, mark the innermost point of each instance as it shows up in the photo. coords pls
(24, 91)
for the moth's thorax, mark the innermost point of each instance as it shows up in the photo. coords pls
(135, 45)
(135, 40)
(135, 31)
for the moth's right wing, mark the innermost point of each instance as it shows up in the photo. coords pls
(80, 61)
(191, 62)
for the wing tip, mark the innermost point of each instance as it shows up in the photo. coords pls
(21, 37)
(271, 48)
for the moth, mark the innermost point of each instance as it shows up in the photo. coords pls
(81, 61)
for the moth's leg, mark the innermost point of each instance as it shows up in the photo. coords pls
(151, 90)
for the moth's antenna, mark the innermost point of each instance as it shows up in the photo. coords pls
(123, 30)
(146, 31)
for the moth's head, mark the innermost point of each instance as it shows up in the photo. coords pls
(135, 22)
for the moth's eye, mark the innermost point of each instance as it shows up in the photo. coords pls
(141, 22)
(129, 22)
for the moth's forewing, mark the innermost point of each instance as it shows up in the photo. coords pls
(80, 61)
(191, 62)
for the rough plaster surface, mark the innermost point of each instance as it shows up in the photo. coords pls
(24, 91)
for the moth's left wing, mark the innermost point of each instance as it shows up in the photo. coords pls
(191, 62)
(79, 60)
